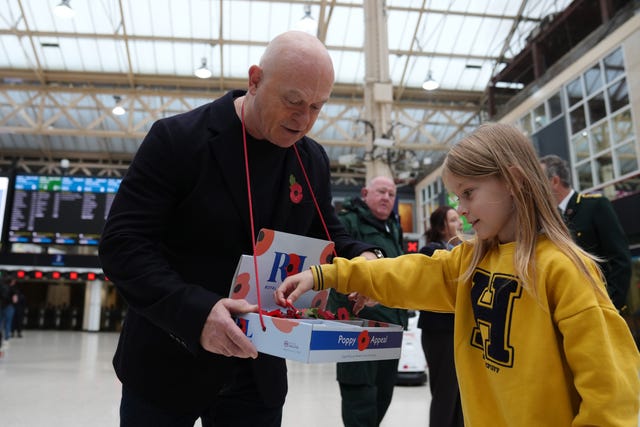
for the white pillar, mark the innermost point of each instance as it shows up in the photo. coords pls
(378, 89)
(92, 306)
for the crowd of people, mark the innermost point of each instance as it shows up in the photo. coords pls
(521, 320)
(519, 300)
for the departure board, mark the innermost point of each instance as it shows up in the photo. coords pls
(60, 210)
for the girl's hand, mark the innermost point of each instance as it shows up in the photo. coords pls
(292, 287)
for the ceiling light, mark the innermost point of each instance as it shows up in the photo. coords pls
(430, 83)
(63, 10)
(509, 85)
(307, 23)
(203, 72)
(118, 110)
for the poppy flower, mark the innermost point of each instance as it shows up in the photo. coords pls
(295, 190)
(363, 340)
(343, 314)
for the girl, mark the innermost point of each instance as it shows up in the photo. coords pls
(537, 340)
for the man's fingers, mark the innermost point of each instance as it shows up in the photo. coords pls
(239, 306)
(240, 345)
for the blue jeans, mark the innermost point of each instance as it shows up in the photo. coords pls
(7, 319)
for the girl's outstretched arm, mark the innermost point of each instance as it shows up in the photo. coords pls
(293, 287)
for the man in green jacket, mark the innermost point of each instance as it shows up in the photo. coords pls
(595, 227)
(367, 387)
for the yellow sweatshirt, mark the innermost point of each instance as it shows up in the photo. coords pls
(564, 359)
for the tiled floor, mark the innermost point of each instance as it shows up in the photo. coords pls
(63, 378)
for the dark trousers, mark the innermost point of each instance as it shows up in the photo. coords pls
(365, 403)
(18, 320)
(237, 407)
(446, 409)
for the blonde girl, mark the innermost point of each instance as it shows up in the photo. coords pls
(537, 340)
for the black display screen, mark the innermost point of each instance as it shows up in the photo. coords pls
(60, 210)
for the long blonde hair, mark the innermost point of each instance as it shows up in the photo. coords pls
(503, 151)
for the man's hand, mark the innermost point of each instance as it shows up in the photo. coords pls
(369, 255)
(292, 287)
(360, 301)
(221, 335)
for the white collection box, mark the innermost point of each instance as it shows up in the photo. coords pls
(279, 255)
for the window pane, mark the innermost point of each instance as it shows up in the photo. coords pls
(614, 65)
(597, 109)
(578, 120)
(627, 158)
(555, 105)
(601, 139)
(618, 95)
(580, 146)
(585, 180)
(539, 117)
(574, 92)
(604, 167)
(525, 123)
(621, 127)
(593, 79)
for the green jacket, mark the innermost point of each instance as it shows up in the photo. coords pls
(387, 235)
(595, 227)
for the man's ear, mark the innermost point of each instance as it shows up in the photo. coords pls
(364, 192)
(255, 77)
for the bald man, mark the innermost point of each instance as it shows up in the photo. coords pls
(180, 222)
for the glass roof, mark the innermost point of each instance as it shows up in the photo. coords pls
(147, 51)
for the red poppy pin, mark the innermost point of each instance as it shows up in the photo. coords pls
(295, 190)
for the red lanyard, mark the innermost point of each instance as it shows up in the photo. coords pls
(253, 232)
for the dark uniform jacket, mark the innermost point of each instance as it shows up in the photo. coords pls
(175, 233)
(595, 227)
(386, 235)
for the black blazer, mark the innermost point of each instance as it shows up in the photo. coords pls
(171, 243)
(595, 227)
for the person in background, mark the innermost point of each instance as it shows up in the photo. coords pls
(4, 300)
(594, 226)
(193, 200)
(8, 300)
(445, 227)
(537, 340)
(18, 316)
(366, 388)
